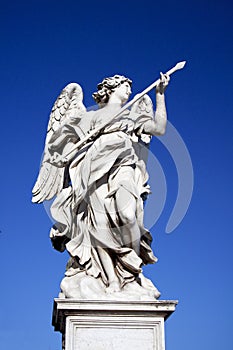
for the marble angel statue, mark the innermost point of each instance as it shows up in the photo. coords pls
(93, 169)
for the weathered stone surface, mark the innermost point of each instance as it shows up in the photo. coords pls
(101, 325)
(95, 165)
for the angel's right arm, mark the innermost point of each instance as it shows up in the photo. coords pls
(64, 135)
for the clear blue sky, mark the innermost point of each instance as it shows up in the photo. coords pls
(47, 44)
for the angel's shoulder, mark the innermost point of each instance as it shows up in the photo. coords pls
(83, 121)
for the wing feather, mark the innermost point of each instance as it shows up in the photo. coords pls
(50, 180)
(141, 141)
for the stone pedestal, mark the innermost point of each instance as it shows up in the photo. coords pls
(120, 325)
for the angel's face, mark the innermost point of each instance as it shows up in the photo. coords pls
(123, 91)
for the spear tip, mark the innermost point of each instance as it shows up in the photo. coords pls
(180, 65)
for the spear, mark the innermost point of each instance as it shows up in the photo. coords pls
(82, 142)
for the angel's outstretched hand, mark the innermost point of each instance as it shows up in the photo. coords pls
(164, 81)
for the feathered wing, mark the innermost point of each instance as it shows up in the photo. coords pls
(141, 141)
(145, 107)
(50, 180)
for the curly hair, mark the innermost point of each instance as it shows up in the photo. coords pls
(107, 86)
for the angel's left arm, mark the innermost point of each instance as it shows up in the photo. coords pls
(157, 126)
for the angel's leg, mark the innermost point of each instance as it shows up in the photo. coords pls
(108, 266)
(126, 207)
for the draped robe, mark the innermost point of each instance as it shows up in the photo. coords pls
(85, 211)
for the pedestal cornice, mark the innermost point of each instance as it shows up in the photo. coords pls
(69, 307)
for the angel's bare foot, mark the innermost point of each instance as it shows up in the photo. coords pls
(113, 287)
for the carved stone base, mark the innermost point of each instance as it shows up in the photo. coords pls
(121, 325)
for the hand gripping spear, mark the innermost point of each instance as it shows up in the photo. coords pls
(82, 142)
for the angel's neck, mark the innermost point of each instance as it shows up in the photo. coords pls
(115, 101)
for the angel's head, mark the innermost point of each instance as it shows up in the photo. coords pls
(111, 85)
